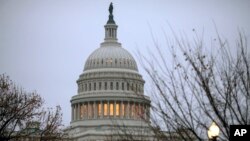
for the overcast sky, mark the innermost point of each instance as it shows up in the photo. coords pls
(45, 43)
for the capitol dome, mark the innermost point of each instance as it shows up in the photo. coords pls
(110, 56)
(110, 93)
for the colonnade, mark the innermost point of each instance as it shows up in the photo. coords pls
(110, 109)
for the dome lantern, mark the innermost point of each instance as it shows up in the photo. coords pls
(110, 27)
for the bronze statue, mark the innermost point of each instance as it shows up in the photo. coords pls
(111, 8)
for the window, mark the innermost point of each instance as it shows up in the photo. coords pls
(136, 111)
(122, 86)
(132, 87)
(94, 86)
(117, 85)
(136, 87)
(81, 111)
(105, 112)
(85, 110)
(111, 109)
(99, 109)
(111, 85)
(90, 110)
(85, 87)
(123, 110)
(132, 110)
(106, 85)
(127, 86)
(89, 86)
(100, 85)
(127, 109)
(117, 109)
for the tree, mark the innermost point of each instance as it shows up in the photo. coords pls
(18, 108)
(193, 85)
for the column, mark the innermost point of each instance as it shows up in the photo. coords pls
(72, 112)
(128, 110)
(139, 111)
(121, 110)
(101, 109)
(95, 109)
(114, 109)
(108, 108)
(79, 111)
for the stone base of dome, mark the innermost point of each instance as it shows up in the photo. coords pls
(90, 130)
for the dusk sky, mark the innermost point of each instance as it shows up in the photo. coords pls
(45, 43)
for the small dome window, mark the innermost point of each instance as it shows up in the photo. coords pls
(111, 85)
(117, 85)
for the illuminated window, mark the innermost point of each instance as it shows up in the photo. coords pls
(127, 112)
(99, 109)
(136, 111)
(111, 109)
(117, 109)
(123, 110)
(90, 110)
(81, 113)
(105, 112)
(132, 110)
(142, 112)
(85, 110)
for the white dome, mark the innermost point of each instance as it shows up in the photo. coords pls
(110, 57)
